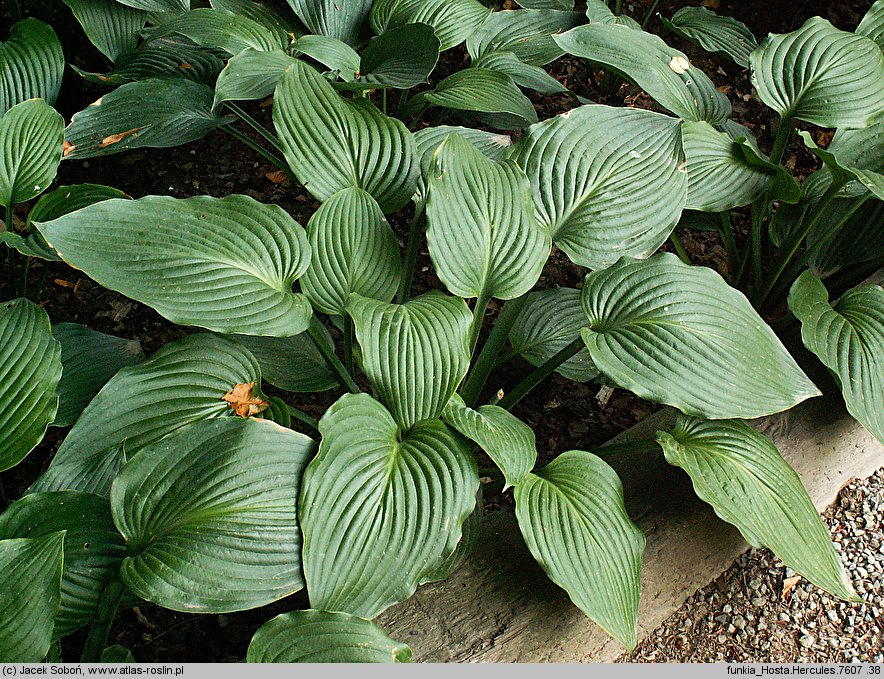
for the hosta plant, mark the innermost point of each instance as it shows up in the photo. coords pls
(182, 483)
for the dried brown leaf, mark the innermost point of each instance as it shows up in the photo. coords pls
(243, 402)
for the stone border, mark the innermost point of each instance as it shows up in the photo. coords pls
(500, 606)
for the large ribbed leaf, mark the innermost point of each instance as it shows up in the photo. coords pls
(453, 20)
(172, 6)
(385, 62)
(336, 55)
(680, 335)
(872, 25)
(31, 64)
(820, 75)
(415, 354)
(597, 11)
(321, 637)
(380, 509)
(848, 337)
(180, 111)
(183, 382)
(661, 71)
(251, 75)
(93, 549)
(210, 516)
(30, 367)
(29, 594)
(331, 143)
(525, 32)
(353, 250)
(853, 155)
(89, 359)
(550, 321)
(226, 264)
(503, 436)
(112, 27)
(740, 472)
(607, 181)
(718, 34)
(724, 173)
(31, 136)
(481, 232)
(858, 240)
(272, 16)
(572, 517)
(293, 363)
(524, 75)
(347, 21)
(226, 31)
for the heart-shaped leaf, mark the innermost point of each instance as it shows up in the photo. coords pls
(380, 509)
(415, 354)
(93, 549)
(481, 232)
(210, 516)
(550, 321)
(527, 33)
(334, 54)
(354, 250)
(872, 25)
(503, 436)
(180, 111)
(853, 155)
(345, 21)
(740, 472)
(30, 591)
(183, 382)
(848, 337)
(251, 75)
(680, 335)
(385, 62)
(321, 637)
(572, 517)
(112, 27)
(453, 20)
(226, 31)
(31, 137)
(718, 34)
(607, 182)
(233, 260)
(331, 143)
(661, 71)
(820, 75)
(89, 360)
(31, 64)
(30, 368)
(524, 75)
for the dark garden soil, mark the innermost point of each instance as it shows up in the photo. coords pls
(563, 414)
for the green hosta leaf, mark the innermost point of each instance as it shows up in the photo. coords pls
(172, 6)
(210, 516)
(385, 62)
(724, 173)
(89, 360)
(332, 143)
(30, 367)
(524, 75)
(872, 25)
(117, 654)
(293, 363)
(717, 34)
(415, 354)
(29, 595)
(273, 17)
(547, 4)
(572, 517)
(251, 75)
(345, 21)
(858, 240)
(680, 335)
(380, 509)
(112, 27)
(31, 64)
(233, 260)
(321, 637)
(334, 54)
(740, 472)
(180, 112)
(661, 71)
(607, 181)
(453, 20)
(503, 436)
(597, 11)
(820, 75)
(848, 337)
(480, 90)
(550, 321)
(93, 549)
(31, 137)
(183, 382)
(226, 31)
(482, 235)
(354, 250)
(854, 155)
(527, 33)
(471, 529)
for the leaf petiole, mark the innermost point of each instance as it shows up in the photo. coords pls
(540, 373)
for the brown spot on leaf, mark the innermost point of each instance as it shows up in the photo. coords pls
(243, 402)
(67, 148)
(116, 138)
(184, 65)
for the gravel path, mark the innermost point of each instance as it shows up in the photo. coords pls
(759, 611)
